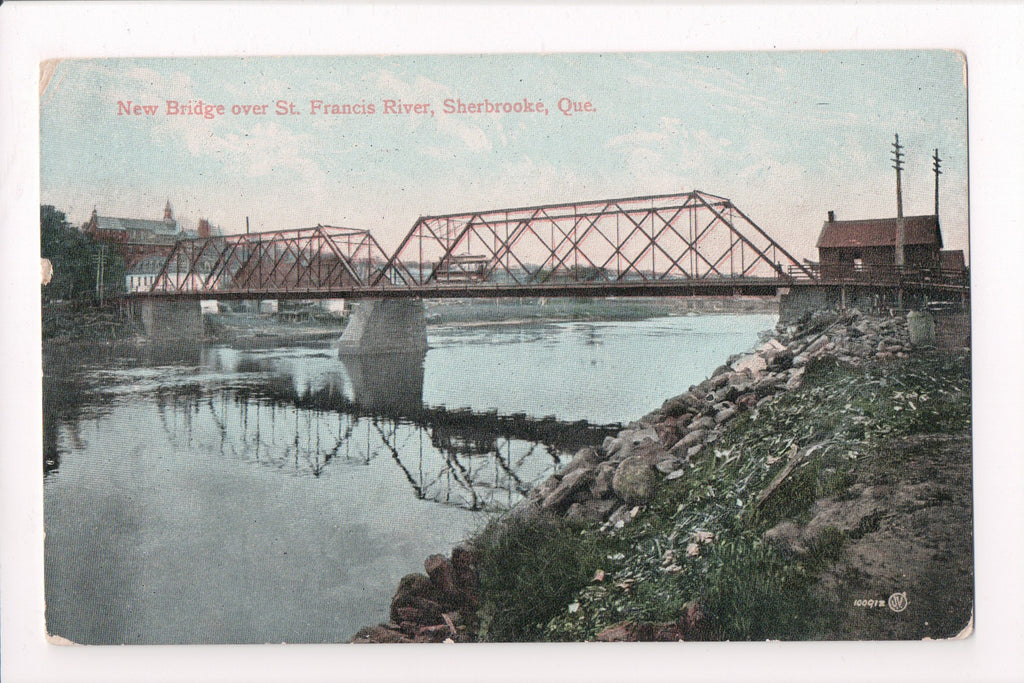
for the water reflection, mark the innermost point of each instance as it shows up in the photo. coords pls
(278, 494)
(302, 412)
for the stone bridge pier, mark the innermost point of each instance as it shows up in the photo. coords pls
(385, 326)
(169, 319)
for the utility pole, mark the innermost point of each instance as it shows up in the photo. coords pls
(897, 159)
(99, 272)
(936, 166)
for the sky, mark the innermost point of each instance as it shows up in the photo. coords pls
(787, 136)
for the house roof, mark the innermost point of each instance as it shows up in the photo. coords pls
(159, 227)
(879, 232)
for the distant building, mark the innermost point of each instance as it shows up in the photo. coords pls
(143, 273)
(845, 246)
(178, 274)
(136, 239)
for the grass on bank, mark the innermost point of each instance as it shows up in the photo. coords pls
(701, 538)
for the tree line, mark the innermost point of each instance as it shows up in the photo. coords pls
(78, 274)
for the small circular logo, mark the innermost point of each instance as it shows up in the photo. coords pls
(898, 602)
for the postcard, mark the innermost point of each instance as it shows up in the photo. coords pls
(660, 346)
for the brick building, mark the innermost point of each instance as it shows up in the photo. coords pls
(870, 244)
(138, 238)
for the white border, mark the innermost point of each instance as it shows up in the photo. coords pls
(992, 37)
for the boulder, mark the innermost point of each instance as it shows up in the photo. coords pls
(741, 379)
(649, 451)
(675, 406)
(780, 360)
(693, 438)
(921, 326)
(675, 474)
(575, 481)
(636, 437)
(725, 414)
(585, 457)
(602, 486)
(412, 590)
(611, 444)
(550, 484)
(667, 465)
(591, 510)
(748, 400)
(753, 362)
(441, 574)
(634, 481)
(705, 422)
(624, 632)
(726, 393)
(816, 345)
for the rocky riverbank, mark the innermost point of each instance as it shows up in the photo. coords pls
(758, 504)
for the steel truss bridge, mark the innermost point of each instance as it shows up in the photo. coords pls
(692, 243)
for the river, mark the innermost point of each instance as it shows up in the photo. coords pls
(211, 494)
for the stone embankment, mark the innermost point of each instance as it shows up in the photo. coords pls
(609, 485)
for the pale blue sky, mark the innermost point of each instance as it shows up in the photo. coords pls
(786, 136)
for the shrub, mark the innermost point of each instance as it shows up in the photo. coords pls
(529, 570)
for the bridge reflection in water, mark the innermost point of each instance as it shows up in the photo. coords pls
(315, 418)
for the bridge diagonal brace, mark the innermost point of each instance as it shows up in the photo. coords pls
(750, 244)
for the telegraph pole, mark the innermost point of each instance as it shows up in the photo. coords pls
(99, 272)
(897, 159)
(936, 166)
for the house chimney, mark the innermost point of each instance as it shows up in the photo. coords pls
(831, 216)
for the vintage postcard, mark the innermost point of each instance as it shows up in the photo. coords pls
(506, 348)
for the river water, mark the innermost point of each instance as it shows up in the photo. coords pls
(231, 495)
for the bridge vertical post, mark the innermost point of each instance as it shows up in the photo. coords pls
(385, 326)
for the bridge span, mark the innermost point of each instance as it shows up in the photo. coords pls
(687, 244)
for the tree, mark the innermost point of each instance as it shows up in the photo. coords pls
(74, 256)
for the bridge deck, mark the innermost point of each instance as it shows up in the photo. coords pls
(764, 287)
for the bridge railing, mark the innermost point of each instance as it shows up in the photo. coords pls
(885, 275)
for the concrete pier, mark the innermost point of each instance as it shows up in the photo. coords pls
(385, 326)
(166, 320)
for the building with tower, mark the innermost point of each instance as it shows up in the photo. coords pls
(135, 239)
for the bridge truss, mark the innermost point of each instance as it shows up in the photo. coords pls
(315, 260)
(671, 244)
(658, 238)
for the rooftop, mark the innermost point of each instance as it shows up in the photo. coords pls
(879, 232)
